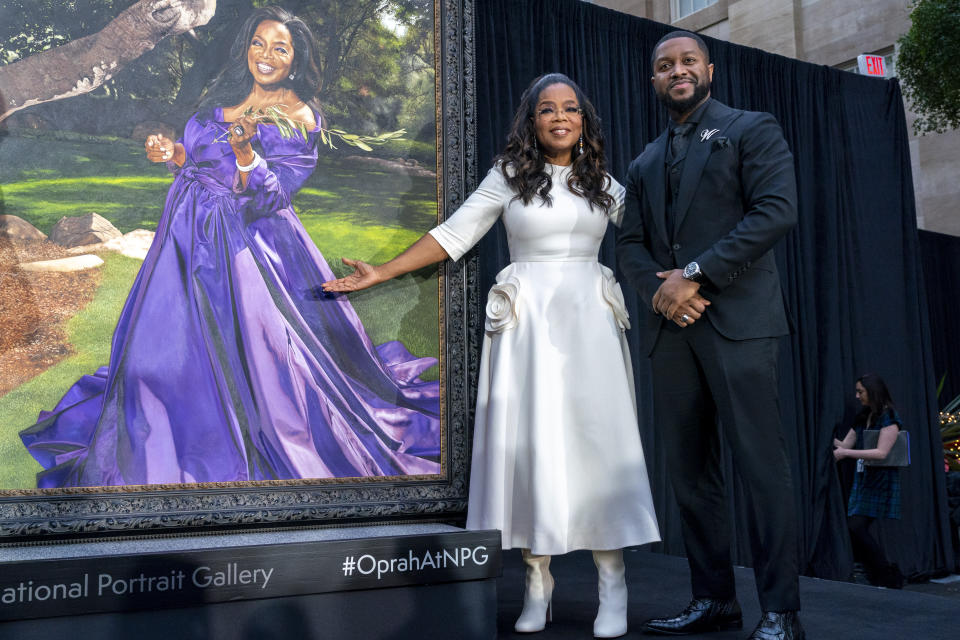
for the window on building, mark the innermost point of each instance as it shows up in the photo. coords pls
(889, 63)
(683, 8)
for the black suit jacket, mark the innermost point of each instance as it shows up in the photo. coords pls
(737, 198)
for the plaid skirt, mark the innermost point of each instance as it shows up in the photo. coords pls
(875, 493)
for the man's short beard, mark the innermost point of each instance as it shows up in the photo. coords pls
(700, 91)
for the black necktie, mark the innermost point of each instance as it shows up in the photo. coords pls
(678, 146)
(679, 140)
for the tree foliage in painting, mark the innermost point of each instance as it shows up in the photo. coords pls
(376, 57)
(44, 65)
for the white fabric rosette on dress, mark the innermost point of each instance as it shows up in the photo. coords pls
(502, 306)
(557, 460)
(613, 294)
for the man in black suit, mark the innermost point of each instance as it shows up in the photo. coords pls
(705, 203)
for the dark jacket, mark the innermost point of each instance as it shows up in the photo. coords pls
(737, 198)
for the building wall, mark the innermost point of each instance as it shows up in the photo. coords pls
(764, 24)
(833, 33)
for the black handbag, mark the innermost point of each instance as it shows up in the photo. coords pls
(899, 455)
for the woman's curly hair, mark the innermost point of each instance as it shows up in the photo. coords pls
(523, 165)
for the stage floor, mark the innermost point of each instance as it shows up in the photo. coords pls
(659, 585)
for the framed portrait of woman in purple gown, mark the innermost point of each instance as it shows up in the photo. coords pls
(177, 179)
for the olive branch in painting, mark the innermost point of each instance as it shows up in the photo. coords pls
(287, 127)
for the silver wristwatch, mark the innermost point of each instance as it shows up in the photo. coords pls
(692, 272)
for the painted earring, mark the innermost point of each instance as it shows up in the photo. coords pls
(581, 144)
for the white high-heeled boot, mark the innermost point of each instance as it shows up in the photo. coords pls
(536, 594)
(611, 619)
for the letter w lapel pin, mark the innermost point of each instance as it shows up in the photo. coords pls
(706, 134)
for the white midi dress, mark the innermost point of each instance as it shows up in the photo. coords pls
(557, 460)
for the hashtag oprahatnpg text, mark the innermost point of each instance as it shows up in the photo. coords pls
(368, 564)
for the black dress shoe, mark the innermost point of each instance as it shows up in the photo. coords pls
(778, 625)
(701, 615)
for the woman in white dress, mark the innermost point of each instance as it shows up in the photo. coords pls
(557, 459)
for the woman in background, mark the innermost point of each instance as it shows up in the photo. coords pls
(557, 460)
(228, 363)
(876, 490)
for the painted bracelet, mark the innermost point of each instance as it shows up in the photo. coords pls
(253, 163)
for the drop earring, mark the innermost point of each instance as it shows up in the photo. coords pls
(536, 147)
(581, 144)
(292, 76)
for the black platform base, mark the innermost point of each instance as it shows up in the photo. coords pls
(408, 581)
(487, 608)
(455, 610)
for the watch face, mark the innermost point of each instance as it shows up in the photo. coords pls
(691, 271)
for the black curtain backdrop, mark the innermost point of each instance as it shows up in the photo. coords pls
(851, 269)
(940, 254)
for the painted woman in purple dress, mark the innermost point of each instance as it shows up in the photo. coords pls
(229, 363)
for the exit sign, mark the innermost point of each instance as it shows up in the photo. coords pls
(871, 65)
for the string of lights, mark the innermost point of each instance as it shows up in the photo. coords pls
(950, 432)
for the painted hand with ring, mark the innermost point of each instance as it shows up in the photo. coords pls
(242, 131)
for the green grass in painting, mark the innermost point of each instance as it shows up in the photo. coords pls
(90, 332)
(349, 210)
(373, 216)
(398, 310)
(45, 179)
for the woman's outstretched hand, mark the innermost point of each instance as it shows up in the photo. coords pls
(424, 251)
(364, 275)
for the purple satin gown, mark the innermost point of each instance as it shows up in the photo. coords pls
(229, 362)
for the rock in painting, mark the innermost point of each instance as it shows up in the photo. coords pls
(89, 229)
(61, 265)
(133, 244)
(19, 231)
(151, 127)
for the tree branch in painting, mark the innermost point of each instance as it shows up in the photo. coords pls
(82, 65)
